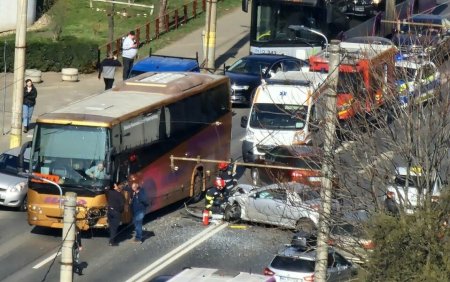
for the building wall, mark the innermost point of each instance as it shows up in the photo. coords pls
(8, 14)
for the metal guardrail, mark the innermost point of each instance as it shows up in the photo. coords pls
(152, 30)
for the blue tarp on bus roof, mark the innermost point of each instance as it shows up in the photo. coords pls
(165, 64)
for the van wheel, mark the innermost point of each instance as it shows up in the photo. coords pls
(198, 187)
(24, 206)
(305, 224)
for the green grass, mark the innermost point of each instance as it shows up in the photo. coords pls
(79, 21)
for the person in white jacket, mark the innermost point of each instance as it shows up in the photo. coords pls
(129, 51)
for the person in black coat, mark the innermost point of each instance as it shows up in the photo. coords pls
(116, 205)
(29, 100)
(139, 205)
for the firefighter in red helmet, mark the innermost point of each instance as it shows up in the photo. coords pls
(225, 172)
(215, 196)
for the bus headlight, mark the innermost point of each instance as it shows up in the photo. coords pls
(18, 187)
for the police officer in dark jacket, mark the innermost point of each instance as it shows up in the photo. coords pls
(215, 196)
(390, 205)
(116, 204)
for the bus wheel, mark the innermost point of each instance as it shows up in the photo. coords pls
(198, 187)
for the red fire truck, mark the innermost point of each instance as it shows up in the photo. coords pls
(365, 72)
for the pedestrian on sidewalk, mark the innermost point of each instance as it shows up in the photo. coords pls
(29, 101)
(116, 204)
(139, 205)
(129, 52)
(107, 69)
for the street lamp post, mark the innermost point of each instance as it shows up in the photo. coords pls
(302, 27)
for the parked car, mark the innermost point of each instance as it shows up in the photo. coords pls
(294, 263)
(160, 63)
(290, 205)
(246, 73)
(417, 80)
(13, 187)
(305, 162)
(406, 186)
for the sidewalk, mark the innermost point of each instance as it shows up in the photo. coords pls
(231, 43)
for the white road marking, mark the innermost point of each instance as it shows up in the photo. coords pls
(52, 257)
(176, 253)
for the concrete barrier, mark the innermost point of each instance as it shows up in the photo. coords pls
(33, 74)
(69, 74)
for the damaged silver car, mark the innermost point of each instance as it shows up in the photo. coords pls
(290, 205)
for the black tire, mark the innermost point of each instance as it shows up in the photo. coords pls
(306, 225)
(232, 213)
(24, 205)
(198, 187)
(256, 180)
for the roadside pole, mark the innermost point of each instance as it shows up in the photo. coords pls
(19, 74)
(68, 237)
(328, 164)
(210, 34)
(390, 16)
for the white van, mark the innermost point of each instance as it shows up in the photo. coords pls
(281, 113)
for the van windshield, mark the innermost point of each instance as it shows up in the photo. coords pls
(278, 116)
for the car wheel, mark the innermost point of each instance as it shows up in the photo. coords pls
(306, 225)
(255, 176)
(24, 205)
(232, 212)
(198, 187)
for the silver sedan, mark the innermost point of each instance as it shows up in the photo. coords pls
(290, 205)
(13, 188)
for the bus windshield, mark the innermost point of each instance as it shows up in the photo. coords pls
(271, 21)
(278, 116)
(71, 155)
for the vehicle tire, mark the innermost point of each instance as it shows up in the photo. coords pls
(24, 205)
(255, 176)
(232, 213)
(198, 187)
(305, 224)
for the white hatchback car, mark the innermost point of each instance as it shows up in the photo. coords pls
(13, 188)
(294, 264)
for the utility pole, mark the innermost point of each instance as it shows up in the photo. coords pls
(209, 42)
(328, 163)
(390, 16)
(68, 237)
(19, 74)
(111, 27)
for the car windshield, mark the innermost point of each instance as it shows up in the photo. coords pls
(405, 73)
(9, 164)
(247, 66)
(412, 180)
(278, 116)
(293, 264)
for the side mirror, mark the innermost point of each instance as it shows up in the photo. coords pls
(24, 147)
(244, 121)
(109, 161)
(245, 6)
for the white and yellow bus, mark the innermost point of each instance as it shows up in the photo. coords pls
(132, 129)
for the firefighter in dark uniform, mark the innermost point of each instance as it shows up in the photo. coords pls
(227, 175)
(215, 196)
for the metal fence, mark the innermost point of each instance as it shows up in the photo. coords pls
(152, 30)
